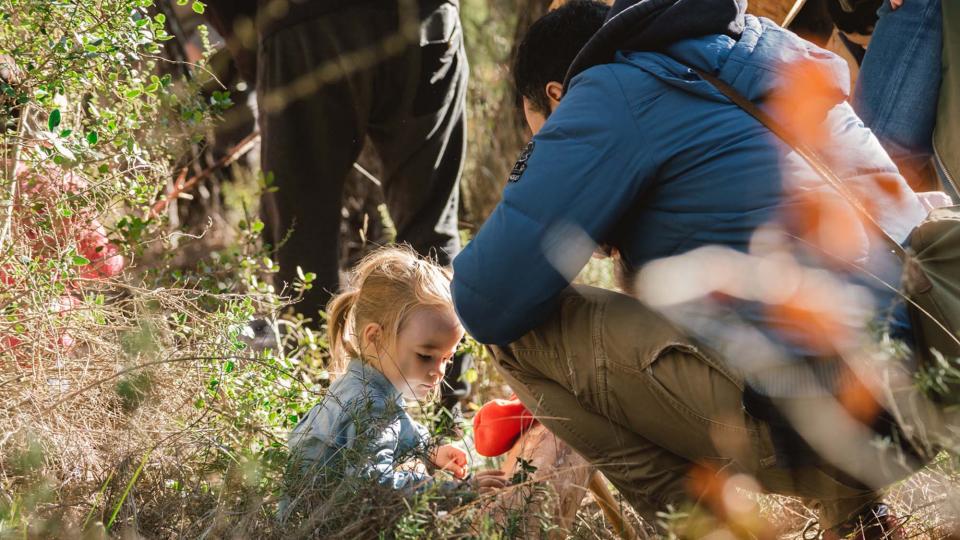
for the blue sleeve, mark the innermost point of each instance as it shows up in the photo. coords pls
(387, 445)
(417, 434)
(382, 461)
(587, 167)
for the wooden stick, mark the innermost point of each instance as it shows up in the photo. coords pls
(792, 14)
(610, 506)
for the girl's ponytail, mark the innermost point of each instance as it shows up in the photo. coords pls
(339, 313)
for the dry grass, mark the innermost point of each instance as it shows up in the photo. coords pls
(75, 432)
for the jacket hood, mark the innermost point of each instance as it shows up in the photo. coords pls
(649, 25)
(754, 55)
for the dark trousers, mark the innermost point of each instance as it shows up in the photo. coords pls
(326, 84)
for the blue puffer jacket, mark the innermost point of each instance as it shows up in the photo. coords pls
(643, 155)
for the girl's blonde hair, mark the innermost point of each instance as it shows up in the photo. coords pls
(383, 288)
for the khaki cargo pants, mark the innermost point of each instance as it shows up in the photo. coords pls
(642, 402)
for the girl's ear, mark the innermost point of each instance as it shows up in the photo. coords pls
(372, 335)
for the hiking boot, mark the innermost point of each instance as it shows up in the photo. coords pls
(875, 522)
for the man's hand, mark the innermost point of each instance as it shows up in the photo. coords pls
(894, 4)
(489, 480)
(450, 458)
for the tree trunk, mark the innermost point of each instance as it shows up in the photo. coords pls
(503, 127)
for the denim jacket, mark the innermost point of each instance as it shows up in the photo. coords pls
(361, 413)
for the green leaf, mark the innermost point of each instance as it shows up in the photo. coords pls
(54, 119)
(92, 137)
(64, 151)
(198, 7)
(132, 93)
(80, 261)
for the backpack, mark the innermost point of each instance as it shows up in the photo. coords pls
(931, 265)
(931, 283)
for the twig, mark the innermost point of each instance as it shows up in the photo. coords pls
(366, 174)
(235, 153)
(10, 173)
(180, 186)
(98, 382)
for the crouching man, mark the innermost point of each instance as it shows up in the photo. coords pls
(744, 345)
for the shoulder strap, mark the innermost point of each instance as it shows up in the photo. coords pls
(805, 151)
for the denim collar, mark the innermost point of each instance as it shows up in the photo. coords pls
(368, 374)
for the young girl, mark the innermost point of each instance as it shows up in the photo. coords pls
(395, 330)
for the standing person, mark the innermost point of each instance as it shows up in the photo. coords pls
(330, 74)
(899, 87)
(946, 133)
(748, 362)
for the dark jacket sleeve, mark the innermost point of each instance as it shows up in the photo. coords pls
(587, 167)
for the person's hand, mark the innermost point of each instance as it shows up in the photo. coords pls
(894, 4)
(489, 480)
(450, 458)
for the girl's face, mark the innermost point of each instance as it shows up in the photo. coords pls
(424, 346)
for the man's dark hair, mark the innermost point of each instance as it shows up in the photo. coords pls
(550, 46)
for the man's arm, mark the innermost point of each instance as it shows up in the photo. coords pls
(586, 167)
